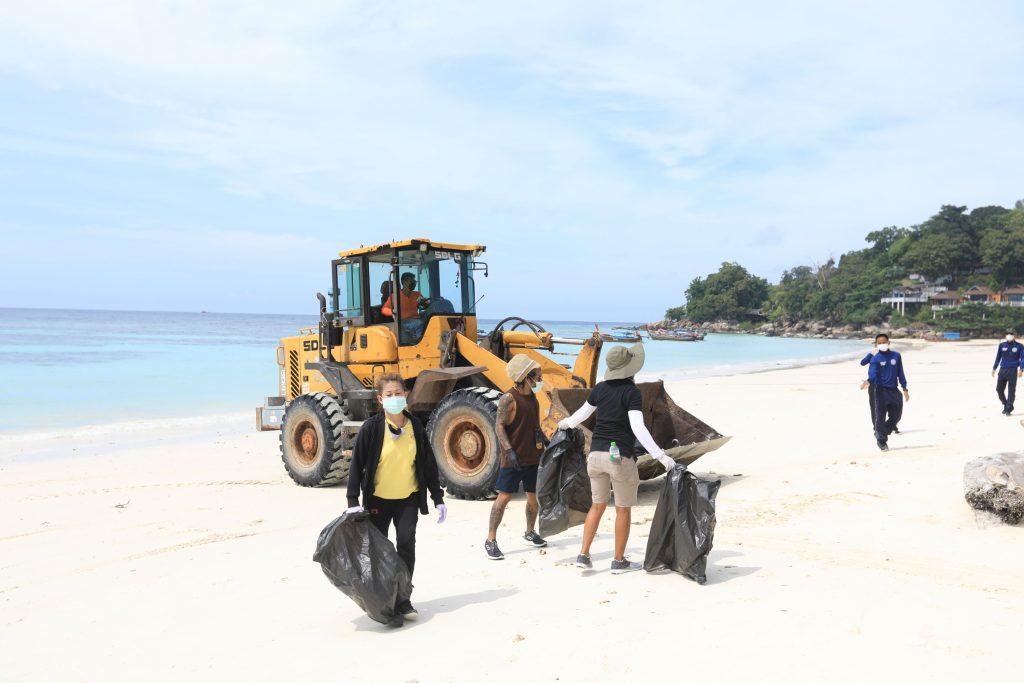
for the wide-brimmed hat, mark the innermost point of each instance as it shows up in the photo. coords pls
(520, 366)
(624, 362)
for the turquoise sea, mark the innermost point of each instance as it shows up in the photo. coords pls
(71, 368)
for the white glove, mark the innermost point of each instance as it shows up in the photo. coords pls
(352, 511)
(442, 513)
(665, 460)
(564, 424)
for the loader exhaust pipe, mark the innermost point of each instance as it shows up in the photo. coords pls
(325, 334)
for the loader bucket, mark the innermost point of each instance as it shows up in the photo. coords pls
(684, 437)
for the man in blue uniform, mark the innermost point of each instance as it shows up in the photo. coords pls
(884, 372)
(1010, 363)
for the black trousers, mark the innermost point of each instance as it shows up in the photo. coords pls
(888, 411)
(871, 402)
(404, 513)
(1007, 381)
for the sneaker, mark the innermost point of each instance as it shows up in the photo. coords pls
(895, 430)
(408, 611)
(583, 562)
(493, 552)
(624, 565)
(534, 539)
(883, 447)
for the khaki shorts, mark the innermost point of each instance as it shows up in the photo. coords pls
(607, 476)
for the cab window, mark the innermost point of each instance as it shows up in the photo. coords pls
(434, 282)
(349, 294)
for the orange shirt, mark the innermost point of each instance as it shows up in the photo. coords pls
(408, 305)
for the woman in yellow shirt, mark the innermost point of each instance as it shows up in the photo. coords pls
(393, 467)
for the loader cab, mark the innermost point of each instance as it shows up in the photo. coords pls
(402, 286)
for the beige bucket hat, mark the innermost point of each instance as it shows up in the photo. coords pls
(624, 362)
(520, 366)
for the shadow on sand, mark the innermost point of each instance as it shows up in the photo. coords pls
(429, 608)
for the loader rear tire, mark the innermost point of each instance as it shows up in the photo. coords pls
(461, 432)
(313, 444)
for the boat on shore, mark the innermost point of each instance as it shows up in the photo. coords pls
(677, 335)
(621, 337)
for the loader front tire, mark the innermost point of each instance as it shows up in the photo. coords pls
(313, 443)
(461, 432)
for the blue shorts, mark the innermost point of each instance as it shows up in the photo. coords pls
(509, 479)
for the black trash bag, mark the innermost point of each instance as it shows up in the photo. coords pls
(563, 485)
(364, 565)
(683, 527)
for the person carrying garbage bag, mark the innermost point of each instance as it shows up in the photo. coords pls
(517, 427)
(611, 463)
(394, 468)
(362, 563)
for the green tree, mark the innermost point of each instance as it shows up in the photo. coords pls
(676, 313)
(727, 294)
(935, 254)
(854, 293)
(884, 239)
(945, 244)
(1002, 248)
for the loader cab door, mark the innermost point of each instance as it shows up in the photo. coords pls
(366, 336)
(347, 292)
(433, 283)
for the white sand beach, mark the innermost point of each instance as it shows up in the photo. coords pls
(184, 553)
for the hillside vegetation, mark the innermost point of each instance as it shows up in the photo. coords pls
(955, 248)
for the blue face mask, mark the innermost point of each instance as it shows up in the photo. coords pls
(393, 405)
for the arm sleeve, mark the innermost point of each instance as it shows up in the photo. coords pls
(866, 360)
(581, 415)
(1020, 365)
(903, 378)
(872, 372)
(999, 354)
(355, 468)
(636, 423)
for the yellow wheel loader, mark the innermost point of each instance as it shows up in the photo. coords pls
(428, 335)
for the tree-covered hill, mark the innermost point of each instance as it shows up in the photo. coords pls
(954, 248)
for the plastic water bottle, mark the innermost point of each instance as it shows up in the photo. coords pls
(613, 452)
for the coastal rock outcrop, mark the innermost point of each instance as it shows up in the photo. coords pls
(994, 486)
(808, 329)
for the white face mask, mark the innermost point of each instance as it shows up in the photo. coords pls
(394, 405)
(1009, 337)
(538, 386)
(883, 347)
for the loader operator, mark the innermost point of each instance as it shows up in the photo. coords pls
(611, 463)
(517, 427)
(410, 301)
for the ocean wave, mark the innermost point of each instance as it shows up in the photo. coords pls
(140, 427)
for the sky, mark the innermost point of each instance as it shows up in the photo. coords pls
(215, 155)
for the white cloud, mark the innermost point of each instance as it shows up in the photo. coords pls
(765, 133)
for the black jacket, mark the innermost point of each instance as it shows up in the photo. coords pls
(366, 456)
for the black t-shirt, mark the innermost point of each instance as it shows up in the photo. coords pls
(613, 400)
